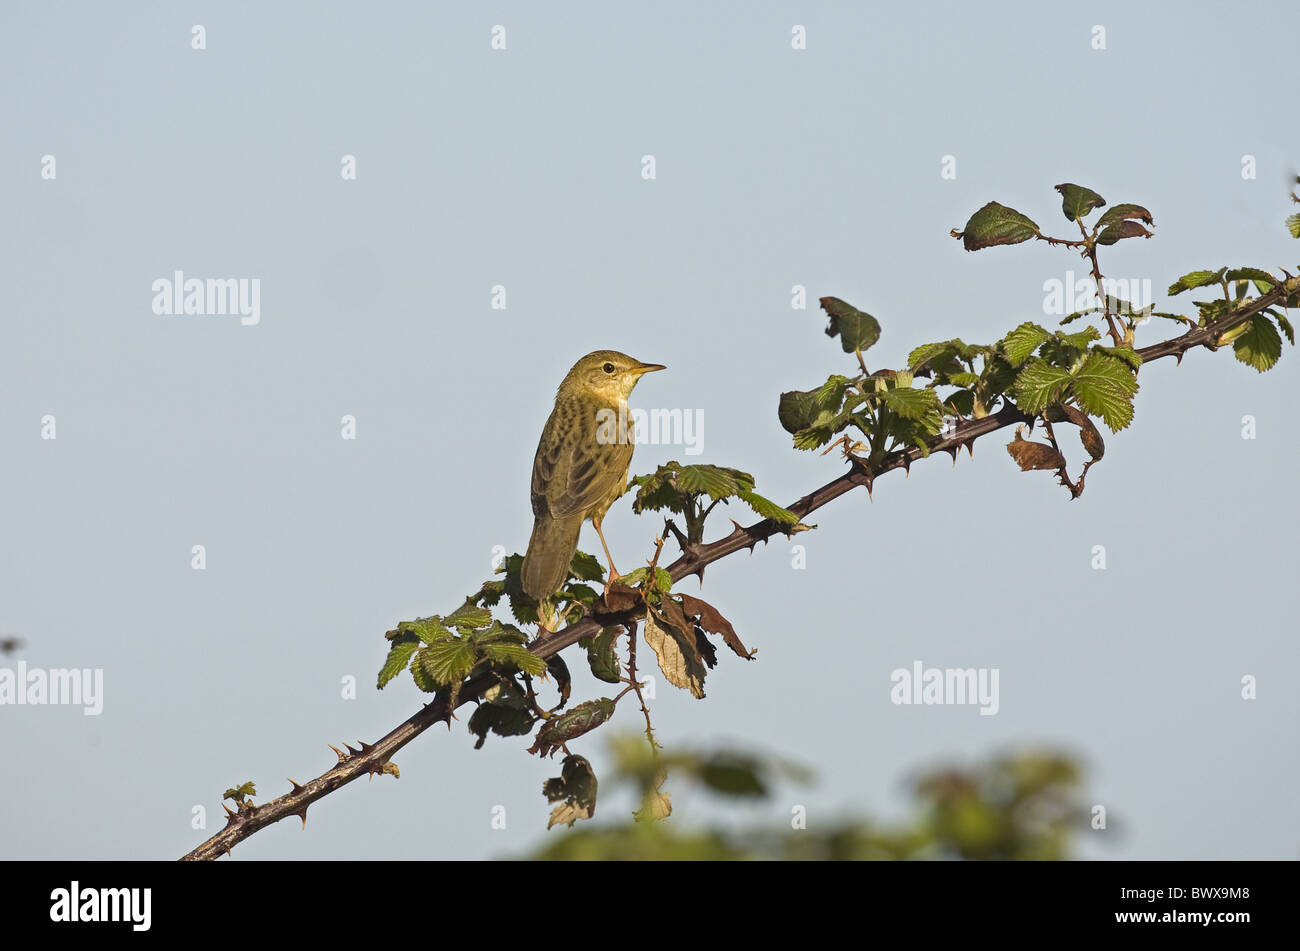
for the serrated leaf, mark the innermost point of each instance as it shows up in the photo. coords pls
(656, 805)
(717, 482)
(1104, 386)
(766, 507)
(681, 666)
(423, 679)
(399, 655)
(1251, 274)
(1118, 213)
(468, 617)
(1293, 225)
(1020, 344)
(602, 656)
(514, 655)
(1078, 202)
(447, 662)
(569, 726)
(913, 404)
(1071, 318)
(1195, 279)
(856, 329)
(1040, 385)
(586, 567)
(1285, 324)
(934, 354)
(427, 629)
(1260, 346)
(993, 225)
(1080, 338)
(1127, 354)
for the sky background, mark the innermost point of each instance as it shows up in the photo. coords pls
(775, 167)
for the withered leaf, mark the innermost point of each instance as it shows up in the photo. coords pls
(712, 621)
(1034, 455)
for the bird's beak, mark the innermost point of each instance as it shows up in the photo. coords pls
(647, 368)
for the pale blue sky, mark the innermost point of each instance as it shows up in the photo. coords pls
(522, 168)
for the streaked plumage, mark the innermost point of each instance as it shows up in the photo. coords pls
(576, 475)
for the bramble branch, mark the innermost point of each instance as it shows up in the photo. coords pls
(372, 759)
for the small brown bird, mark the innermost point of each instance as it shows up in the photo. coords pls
(581, 465)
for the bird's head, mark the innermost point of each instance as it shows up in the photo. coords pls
(607, 375)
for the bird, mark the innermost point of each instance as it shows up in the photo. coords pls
(581, 466)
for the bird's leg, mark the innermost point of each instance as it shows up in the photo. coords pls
(613, 572)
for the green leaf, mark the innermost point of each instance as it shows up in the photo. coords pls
(1104, 386)
(602, 656)
(399, 655)
(1071, 318)
(427, 629)
(516, 656)
(717, 482)
(447, 662)
(1285, 325)
(568, 726)
(1127, 354)
(856, 329)
(961, 403)
(1293, 225)
(732, 775)
(1116, 214)
(505, 713)
(586, 567)
(767, 508)
(1196, 279)
(993, 225)
(1078, 202)
(423, 680)
(637, 575)
(1040, 385)
(1252, 274)
(468, 617)
(912, 404)
(1020, 344)
(1080, 338)
(1260, 346)
(798, 410)
(932, 354)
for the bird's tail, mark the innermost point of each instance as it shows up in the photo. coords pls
(550, 550)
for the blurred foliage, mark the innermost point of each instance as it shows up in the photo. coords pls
(1025, 805)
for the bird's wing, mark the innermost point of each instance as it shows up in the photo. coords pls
(573, 471)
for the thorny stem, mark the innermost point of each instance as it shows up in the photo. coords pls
(372, 759)
(1091, 252)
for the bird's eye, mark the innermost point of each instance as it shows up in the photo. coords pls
(608, 368)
